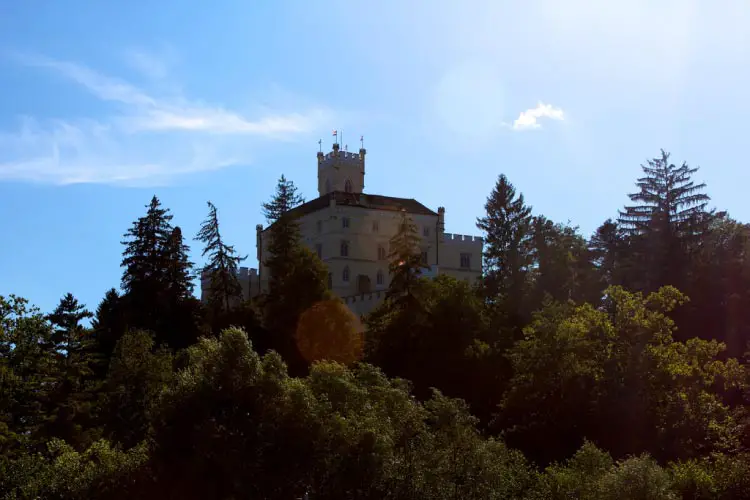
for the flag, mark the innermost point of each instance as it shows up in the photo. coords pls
(335, 133)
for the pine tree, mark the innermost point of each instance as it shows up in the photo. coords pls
(108, 326)
(178, 270)
(71, 399)
(298, 279)
(405, 264)
(223, 262)
(66, 319)
(507, 249)
(158, 279)
(670, 215)
(285, 199)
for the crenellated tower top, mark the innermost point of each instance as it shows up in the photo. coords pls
(341, 171)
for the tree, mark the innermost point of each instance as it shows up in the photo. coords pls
(616, 371)
(178, 270)
(669, 215)
(108, 327)
(137, 375)
(297, 281)
(158, 279)
(66, 319)
(285, 199)
(330, 331)
(223, 261)
(70, 415)
(405, 258)
(562, 268)
(507, 250)
(28, 373)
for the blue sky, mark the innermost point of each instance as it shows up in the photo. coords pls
(103, 104)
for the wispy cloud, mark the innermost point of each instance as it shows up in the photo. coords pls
(144, 140)
(145, 62)
(529, 119)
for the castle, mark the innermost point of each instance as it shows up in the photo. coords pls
(350, 231)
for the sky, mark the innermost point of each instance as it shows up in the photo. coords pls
(104, 104)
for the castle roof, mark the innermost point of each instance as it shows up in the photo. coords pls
(363, 200)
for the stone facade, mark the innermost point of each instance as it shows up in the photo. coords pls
(351, 230)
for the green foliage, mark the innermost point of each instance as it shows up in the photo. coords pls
(507, 252)
(575, 370)
(225, 288)
(578, 367)
(298, 279)
(158, 280)
(137, 375)
(99, 472)
(285, 199)
(405, 261)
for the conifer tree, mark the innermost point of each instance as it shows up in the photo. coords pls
(71, 399)
(298, 279)
(223, 262)
(507, 254)
(108, 326)
(158, 279)
(66, 319)
(285, 199)
(178, 270)
(507, 225)
(405, 264)
(670, 213)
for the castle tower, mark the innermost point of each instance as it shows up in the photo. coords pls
(341, 171)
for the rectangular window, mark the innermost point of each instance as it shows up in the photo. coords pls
(466, 261)
(424, 258)
(319, 250)
(426, 230)
(345, 222)
(320, 226)
(375, 226)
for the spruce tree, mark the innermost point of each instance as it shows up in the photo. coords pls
(158, 279)
(178, 270)
(507, 226)
(66, 319)
(223, 262)
(71, 400)
(669, 215)
(285, 199)
(298, 279)
(405, 264)
(507, 250)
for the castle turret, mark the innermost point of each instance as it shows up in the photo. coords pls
(341, 171)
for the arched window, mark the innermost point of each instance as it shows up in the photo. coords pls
(328, 186)
(345, 274)
(344, 249)
(381, 252)
(379, 278)
(348, 186)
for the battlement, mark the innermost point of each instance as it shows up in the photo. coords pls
(462, 237)
(243, 273)
(342, 154)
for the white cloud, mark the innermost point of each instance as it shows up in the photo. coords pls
(150, 138)
(529, 119)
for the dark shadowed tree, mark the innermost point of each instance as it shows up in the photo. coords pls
(507, 250)
(405, 261)
(668, 214)
(158, 279)
(285, 199)
(222, 267)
